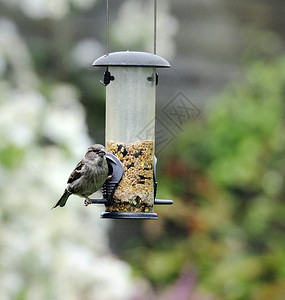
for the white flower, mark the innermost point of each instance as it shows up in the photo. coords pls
(63, 253)
(54, 9)
(85, 52)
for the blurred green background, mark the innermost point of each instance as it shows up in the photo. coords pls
(224, 168)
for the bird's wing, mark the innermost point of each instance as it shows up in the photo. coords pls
(76, 173)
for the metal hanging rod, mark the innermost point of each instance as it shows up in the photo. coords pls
(155, 25)
(107, 27)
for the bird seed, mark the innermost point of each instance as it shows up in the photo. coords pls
(135, 192)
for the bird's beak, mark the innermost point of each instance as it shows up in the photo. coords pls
(102, 152)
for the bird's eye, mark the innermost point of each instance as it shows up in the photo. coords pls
(96, 151)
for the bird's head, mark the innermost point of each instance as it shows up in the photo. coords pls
(96, 154)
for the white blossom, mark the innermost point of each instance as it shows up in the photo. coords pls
(54, 9)
(85, 51)
(63, 253)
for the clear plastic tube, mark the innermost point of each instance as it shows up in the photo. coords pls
(130, 135)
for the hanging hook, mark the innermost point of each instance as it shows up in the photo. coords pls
(108, 77)
(151, 78)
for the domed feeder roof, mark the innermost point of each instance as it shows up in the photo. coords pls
(131, 59)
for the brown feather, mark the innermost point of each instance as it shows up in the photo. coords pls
(76, 173)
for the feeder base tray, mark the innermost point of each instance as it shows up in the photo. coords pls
(134, 216)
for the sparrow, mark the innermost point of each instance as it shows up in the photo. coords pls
(88, 176)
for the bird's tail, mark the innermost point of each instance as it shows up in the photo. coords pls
(62, 201)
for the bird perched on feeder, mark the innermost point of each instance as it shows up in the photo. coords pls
(88, 176)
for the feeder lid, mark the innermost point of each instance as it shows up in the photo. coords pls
(131, 59)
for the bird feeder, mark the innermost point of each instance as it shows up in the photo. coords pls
(130, 80)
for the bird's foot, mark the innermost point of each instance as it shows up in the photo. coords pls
(87, 201)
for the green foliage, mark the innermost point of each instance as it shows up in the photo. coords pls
(11, 156)
(226, 175)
